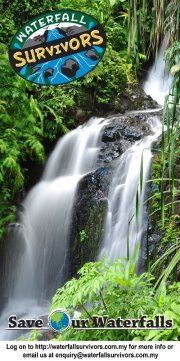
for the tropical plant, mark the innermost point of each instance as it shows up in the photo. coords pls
(148, 22)
(21, 124)
(117, 291)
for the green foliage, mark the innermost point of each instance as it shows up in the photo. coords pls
(172, 232)
(108, 79)
(173, 253)
(167, 304)
(7, 28)
(168, 223)
(172, 15)
(166, 168)
(55, 104)
(170, 153)
(34, 336)
(20, 137)
(107, 287)
(22, 12)
(148, 21)
(83, 236)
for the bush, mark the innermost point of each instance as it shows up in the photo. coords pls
(20, 139)
(117, 291)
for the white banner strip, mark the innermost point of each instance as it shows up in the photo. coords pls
(89, 350)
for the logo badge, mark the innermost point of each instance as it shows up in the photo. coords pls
(57, 47)
(59, 320)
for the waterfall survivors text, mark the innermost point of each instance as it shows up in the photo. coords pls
(57, 48)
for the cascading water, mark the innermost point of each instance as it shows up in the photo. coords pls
(45, 223)
(47, 215)
(121, 223)
(159, 80)
(121, 220)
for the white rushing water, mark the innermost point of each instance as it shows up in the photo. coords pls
(45, 224)
(159, 80)
(121, 219)
(121, 224)
(48, 208)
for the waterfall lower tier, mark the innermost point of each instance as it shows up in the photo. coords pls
(45, 223)
(45, 227)
(121, 223)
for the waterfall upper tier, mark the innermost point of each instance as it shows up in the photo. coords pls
(158, 83)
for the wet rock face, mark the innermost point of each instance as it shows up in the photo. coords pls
(87, 227)
(133, 134)
(70, 67)
(111, 134)
(88, 217)
(110, 151)
(120, 133)
(133, 98)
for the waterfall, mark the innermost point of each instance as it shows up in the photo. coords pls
(45, 223)
(159, 80)
(47, 213)
(121, 223)
(47, 210)
(121, 215)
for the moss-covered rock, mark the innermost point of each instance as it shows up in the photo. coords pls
(87, 227)
(88, 218)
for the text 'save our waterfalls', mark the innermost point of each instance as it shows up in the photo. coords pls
(45, 221)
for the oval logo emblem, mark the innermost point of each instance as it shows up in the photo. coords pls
(57, 47)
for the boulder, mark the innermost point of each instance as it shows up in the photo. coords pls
(120, 132)
(69, 68)
(48, 72)
(111, 134)
(132, 133)
(91, 54)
